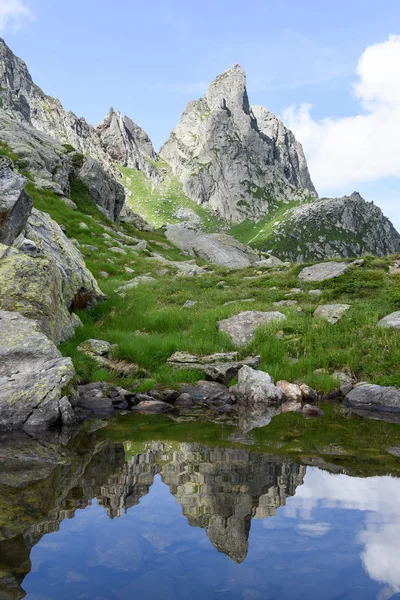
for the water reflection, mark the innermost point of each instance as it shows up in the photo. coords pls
(334, 528)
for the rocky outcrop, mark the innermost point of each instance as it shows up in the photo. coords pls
(32, 376)
(333, 227)
(103, 188)
(15, 204)
(234, 158)
(52, 142)
(43, 276)
(126, 143)
(217, 248)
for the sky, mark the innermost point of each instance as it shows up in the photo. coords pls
(329, 70)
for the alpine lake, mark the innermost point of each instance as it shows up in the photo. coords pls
(144, 507)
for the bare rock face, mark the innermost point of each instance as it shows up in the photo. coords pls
(333, 228)
(15, 204)
(236, 159)
(54, 142)
(46, 279)
(32, 375)
(126, 143)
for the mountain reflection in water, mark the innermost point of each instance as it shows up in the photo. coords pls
(150, 552)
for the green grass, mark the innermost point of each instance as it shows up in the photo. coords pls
(149, 324)
(260, 234)
(158, 204)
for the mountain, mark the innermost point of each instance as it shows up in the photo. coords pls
(226, 165)
(57, 145)
(238, 159)
(325, 228)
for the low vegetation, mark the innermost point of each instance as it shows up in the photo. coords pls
(148, 322)
(166, 202)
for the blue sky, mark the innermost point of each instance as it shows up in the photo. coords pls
(149, 59)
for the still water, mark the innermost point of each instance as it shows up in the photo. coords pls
(111, 520)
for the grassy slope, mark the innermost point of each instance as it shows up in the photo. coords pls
(159, 204)
(149, 324)
(259, 235)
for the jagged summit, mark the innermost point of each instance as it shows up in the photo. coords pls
(126, 143)
(238, 159)
(116, 139)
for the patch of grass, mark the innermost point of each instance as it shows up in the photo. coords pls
(159, 204)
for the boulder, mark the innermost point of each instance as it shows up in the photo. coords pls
(375, 402)
(324, 271)
(33, 375)
(210, 393)
(241, 328)
(309, 394)
(184, 401)
(15, 204)
(153, 407)
(391, 321)
(216, 248)
(258, 399)
(291, 391)
(331, 312)
(221, 366)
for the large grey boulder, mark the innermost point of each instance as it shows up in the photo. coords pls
(375, 402)
(258, 399)
(15, 204)
(217, 248)
(390, 321)
(237, 159)
(333, 228)
(241, 328)
(32, 376)
(331, 312)
(324, 271)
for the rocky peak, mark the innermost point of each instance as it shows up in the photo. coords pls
(228, 91)
(126, 143)
(229, 161)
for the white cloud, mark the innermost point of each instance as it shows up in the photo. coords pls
(13, 13)
(361, 148)
(379, 537)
